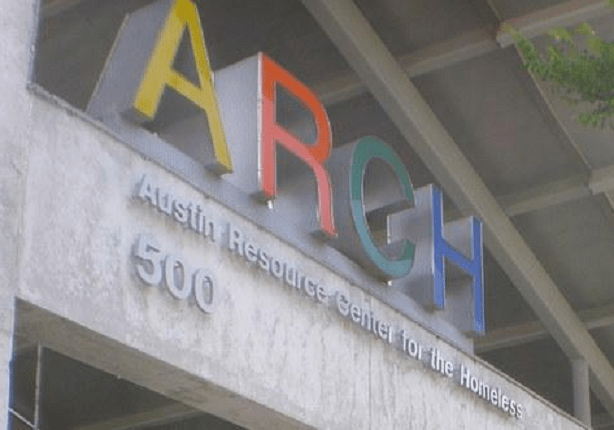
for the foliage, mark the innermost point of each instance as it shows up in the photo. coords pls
(580, 65)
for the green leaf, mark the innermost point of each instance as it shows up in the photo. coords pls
(516, 35)
(507, 27)
(583, 73)
(554, 54)
(560, 34)
(585, 28)
(595, 44)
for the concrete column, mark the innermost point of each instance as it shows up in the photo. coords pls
(581, 391)
(17, 31)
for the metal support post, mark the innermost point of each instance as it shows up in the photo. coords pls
(38, 398)
(581, 391)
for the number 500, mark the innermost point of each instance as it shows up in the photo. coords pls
(152, 266)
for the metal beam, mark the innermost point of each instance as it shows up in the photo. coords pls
(387, 81)
(544, 196)
(511, 336)
(602, 316)
(581, 391)
(576, 187)
(539, 197)
(434, 57)
(159, 416)
(557, 192)
(561, 15)
(602, 180)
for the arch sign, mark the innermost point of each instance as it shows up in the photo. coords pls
(266, 133)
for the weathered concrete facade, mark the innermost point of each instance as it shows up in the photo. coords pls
(270, 356)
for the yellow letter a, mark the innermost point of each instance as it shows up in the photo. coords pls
(160, 73)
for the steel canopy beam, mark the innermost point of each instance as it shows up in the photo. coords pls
(602, 316)
(437, 56)
(544, 196)
(386, 80)
(565, 190)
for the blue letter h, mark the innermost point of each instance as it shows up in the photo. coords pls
(471, 266)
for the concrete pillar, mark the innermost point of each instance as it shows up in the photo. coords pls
(17, 31)
(581, 391)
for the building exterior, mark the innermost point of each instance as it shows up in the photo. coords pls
(187, 242)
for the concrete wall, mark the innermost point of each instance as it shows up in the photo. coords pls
(276, 357)
(269, 357)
